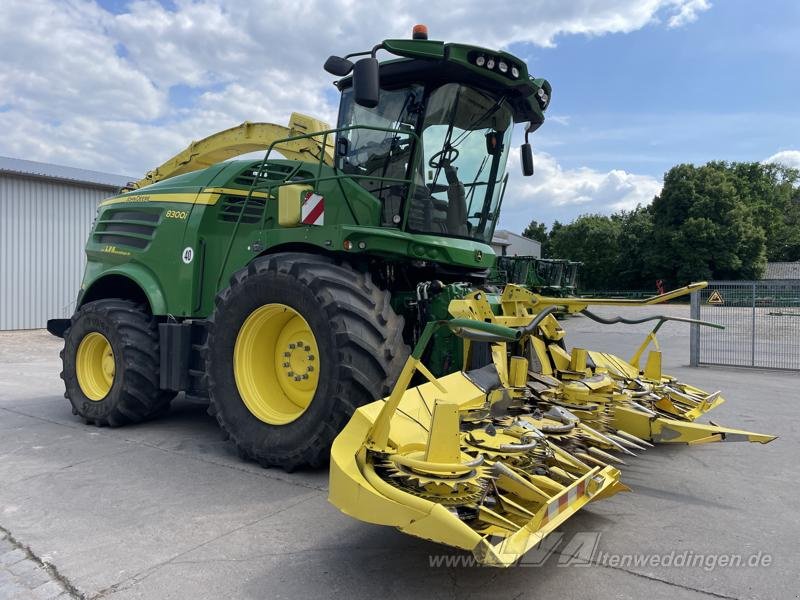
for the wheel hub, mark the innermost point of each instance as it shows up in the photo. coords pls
(299, 362)
(276, 364)
(95, 366)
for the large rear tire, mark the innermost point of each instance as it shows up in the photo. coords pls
(111, 362)
(295, 344)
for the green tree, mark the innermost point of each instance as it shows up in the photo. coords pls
(547, 249)
(703, 228)
(770, 190)
(636, 260)
(594, 241)
(538, 231)
(716, 221)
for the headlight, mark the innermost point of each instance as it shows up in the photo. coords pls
(514, 72)
(502, 66)
(543, 97)
(490, 63)
(481, 60)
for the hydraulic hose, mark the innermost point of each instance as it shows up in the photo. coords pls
(661, 318)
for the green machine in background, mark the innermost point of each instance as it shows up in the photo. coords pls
(549, 276)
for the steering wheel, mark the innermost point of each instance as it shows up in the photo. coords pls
(448, 155)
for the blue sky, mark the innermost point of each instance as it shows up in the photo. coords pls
(639, 85)
(723, 87)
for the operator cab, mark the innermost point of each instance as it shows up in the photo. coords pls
(454, 181)
(431, 141)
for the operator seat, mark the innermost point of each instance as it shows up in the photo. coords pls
(431, 215)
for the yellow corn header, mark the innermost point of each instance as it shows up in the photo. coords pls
(492, 460)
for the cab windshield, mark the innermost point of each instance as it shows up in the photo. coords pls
(453, 186)
(465, 139)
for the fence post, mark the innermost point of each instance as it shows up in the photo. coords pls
(753, 330)
(694, 330)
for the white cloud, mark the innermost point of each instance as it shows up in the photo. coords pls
(789, 158)
(58, 62)
(198, 44)
(567, 193)
(82, 86)
(687, 12)
(560, 119)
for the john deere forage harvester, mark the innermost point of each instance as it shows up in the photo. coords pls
(287, 291)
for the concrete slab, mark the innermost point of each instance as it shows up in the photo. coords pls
(167, 510)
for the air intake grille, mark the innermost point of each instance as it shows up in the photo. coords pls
(232, 206)
(270, 173)
(126, 227)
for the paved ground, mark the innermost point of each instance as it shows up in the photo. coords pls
(167, 510)
(23, 575)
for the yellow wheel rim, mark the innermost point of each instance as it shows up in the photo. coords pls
(276, 364)
(94, 366)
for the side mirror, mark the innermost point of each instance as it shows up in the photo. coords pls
(336, 65)
(366, 82)
(526, 154)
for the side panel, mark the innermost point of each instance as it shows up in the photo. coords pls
(235, 230)
(140, 235)
(187, 235)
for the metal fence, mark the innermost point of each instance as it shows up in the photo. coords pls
(761, 320)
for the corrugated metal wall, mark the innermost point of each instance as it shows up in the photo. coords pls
(43, 230)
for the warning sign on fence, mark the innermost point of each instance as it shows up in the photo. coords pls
(715, 298)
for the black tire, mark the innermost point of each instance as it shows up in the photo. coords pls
(360, 343)
(133, 335)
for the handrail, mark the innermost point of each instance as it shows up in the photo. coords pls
(262, 168)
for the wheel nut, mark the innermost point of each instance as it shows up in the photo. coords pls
(290, 373)
(305, 376)
(310, 369)
(286, 365)
(310, 357)
(292, 346)
(297, 378)
(287, 354)
(307, 348)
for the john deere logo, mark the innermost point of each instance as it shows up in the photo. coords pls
(478, 255)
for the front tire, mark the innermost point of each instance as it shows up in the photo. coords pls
(111, 362)
(295, 344)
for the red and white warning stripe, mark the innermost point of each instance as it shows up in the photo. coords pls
(555, 508)
(313, 210)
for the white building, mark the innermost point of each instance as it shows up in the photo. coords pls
(506, 243)
(782, 271)
(46, 212)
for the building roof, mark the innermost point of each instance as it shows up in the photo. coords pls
(782, 270)
(500, 241)
(30, 168)
(503, 237)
